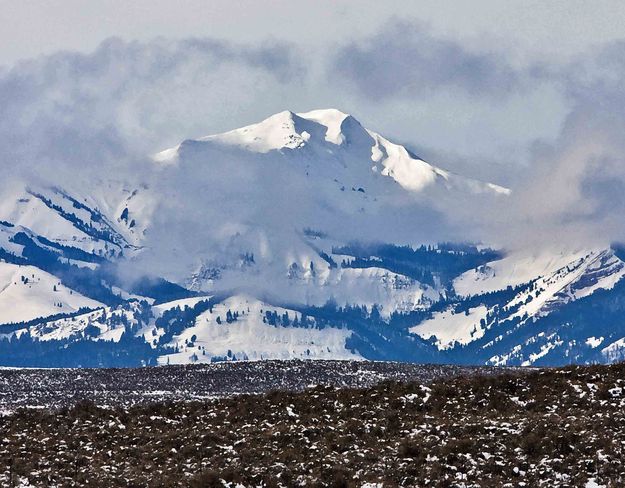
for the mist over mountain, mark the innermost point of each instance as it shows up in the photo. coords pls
(305, 235)
(456, 200)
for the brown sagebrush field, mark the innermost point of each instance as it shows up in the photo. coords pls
(551, 427)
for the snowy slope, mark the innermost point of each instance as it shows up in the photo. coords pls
(263, 218)
(27, 293)
(55, 215)
(336, 135)
(23, 209)
(516, 268)
(566, 278)
(449, 328)
(239, 327)
(251, 337)
(580, 278)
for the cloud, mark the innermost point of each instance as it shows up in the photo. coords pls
(572, 193)
(128, 99)
(578, 181)
(406, 60)
(101, 110)
(101, 113)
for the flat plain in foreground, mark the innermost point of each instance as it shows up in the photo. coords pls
(552, 427)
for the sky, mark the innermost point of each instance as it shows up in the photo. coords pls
(521, 93)
(521, 33)
(557, 28)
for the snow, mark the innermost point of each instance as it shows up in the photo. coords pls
(615, 351)
(414, 174)
(140, 204)
(159, 309)
(594, 342)
(502, 359)
(124, 295)
(23, 208)
(22, 301)
(74, 326)
(168, 156)
(544, 350)
(450, 328)
(516, 268)
(332, 119)
(557, 278)
(390, 291)
(578, 279)
(605, 271)
(6, 234)
(287, 130)
(345, 172)
(276, 132)
(591, 483)
(250, 338)
(324, 171)
(427, 391)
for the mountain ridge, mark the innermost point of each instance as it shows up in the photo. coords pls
(304, 230)
(289, 130)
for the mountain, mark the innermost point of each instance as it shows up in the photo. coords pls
(299, 236)
(563, 314)
(288, 191)
(332, 144)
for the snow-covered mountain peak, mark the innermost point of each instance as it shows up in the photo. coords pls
(275, 132)
(333, 120)
(332, 135)
(288, 130)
